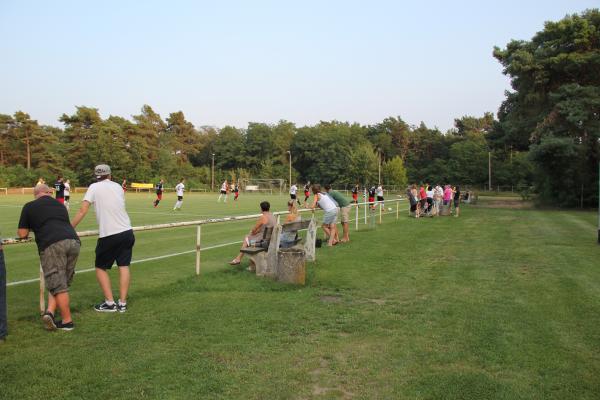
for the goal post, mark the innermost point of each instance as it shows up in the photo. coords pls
(259, 185)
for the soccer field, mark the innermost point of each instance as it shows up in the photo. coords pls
(499, 303)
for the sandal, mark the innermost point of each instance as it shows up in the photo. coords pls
(234, 262)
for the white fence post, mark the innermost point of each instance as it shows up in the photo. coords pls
(356, 217)
(198, 238)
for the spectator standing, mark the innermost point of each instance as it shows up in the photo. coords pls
(429, 194)
(115, 239)
(345, 206)
(412, 199)
(236, 192)
(422, 197)
(456, 201)
(447, 195)
(329, 218)
(58, 248)
(438, 195)
(124, 185)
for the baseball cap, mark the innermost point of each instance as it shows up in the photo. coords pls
(101, 170)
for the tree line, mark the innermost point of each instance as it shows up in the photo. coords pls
(148, 147)
(546, 133)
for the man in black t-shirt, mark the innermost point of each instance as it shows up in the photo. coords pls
(58, 247)
(59, 188)
(159, 192)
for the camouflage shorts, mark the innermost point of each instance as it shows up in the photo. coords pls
(58, 263)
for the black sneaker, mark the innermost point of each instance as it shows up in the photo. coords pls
(121, 307)
(65, 327)
(104, 307)
(49, 322)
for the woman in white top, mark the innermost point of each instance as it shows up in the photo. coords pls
(429, 193)
(330, 217)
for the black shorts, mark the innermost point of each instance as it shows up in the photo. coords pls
(223, 191)
(67, 198)
(179, 198)
(117, 247)
(456, 203)
(293, 196)
(379, 198)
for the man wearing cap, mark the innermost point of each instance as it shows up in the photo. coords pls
(58, 247)
(115, 239)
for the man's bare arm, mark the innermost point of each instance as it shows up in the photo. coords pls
(85, 206)
(261, 221)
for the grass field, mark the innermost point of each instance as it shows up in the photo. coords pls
(498, 304)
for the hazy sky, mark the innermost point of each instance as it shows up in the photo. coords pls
(231, 62)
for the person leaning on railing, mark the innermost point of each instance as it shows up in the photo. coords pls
(58, 248)
(344, 206)
(330, 213)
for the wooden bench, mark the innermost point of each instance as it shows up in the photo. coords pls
(293, 228)
(264, 256)
(261, 245)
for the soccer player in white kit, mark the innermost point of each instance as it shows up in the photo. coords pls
(293, 191)
(179, 189)
(67, 193)
(224, 188)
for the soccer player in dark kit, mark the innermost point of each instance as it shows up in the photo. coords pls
(159, 192)
(306, 192)
(59, 188)
(355, 193)
(372, 190)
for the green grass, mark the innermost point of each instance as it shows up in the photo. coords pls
(499, 303)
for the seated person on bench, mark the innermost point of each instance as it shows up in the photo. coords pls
(288, 238)
(266, 220)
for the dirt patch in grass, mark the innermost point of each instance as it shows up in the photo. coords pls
(330, 299)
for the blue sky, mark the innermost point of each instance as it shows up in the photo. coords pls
(234, 62)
